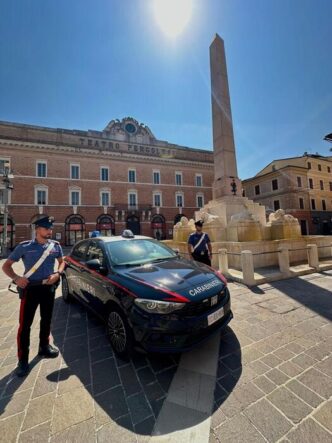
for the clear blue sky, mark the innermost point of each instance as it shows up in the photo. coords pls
(78, 64)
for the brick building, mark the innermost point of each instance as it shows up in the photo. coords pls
(302, 186)
(107, 180)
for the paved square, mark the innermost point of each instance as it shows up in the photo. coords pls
(273, 379)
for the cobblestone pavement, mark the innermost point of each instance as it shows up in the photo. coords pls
(274, 376)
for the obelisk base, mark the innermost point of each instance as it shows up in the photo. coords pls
(226, 186)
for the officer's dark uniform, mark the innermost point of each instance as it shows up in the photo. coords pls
(36, 293)
(201, 253)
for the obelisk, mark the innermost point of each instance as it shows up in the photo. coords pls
(226, 181)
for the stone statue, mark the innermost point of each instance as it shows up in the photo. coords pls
(206, 217)
(280, 216)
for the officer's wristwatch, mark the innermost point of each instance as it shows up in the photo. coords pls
(59, 272)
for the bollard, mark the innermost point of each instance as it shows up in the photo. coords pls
(223, 261)
(283, 259)
(313, 257)
(248, 268)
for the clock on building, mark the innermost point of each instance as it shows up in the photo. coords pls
(130, 128)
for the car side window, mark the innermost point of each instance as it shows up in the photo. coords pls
(79, 251)
(94, 251)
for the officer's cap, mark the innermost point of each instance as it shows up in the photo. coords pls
(45, 222)
(199, 223)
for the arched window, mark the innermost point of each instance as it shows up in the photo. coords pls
(178, 218)
(74, 229)
(105, 225)
(10, 233)
(158, 227)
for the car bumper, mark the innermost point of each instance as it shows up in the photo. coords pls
(155, 333)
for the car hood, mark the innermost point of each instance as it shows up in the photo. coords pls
(185, 277)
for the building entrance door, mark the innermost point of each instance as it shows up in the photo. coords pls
(133, 224)
(303, 227)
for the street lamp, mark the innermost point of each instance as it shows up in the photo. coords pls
(7, 186)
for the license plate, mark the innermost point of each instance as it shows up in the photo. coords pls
(215, 316)
(214, 300)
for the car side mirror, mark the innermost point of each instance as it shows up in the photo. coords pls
(95, 265)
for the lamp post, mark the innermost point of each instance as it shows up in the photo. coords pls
(8, 185)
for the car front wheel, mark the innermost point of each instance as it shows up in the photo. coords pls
(120, 334)
(66, 295)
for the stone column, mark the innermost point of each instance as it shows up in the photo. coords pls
(313, 260)
(225, 168)
(223, 261)
(248, 270)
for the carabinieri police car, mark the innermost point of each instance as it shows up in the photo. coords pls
(148, 296)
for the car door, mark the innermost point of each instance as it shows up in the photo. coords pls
(76, 266)
(98, 288)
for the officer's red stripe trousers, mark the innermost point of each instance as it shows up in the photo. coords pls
(19, 332)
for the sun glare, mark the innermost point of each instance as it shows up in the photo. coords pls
(172, 15)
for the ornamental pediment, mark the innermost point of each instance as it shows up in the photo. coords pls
(128, 128)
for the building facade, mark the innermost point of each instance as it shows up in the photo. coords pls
(121, 177)
(302, 186)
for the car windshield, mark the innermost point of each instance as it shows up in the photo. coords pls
(138, 251)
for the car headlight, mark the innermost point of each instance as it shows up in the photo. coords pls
(158, 307)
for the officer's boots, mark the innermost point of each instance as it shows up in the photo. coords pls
(48, 351)
(22, 368)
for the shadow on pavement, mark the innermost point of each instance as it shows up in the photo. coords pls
(128, 393)
(313, 297)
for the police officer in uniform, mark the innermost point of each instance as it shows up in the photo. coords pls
(38, 289)
(199, 245)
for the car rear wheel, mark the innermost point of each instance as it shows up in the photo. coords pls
(66, 295)
(120, 334)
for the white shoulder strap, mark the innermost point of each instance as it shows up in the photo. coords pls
(200, 241)
(40, 261)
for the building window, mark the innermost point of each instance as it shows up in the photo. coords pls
(157, 199)
(132, 176)
(178, 178)
(41, 196)
(275, 184)
(200, 200)
(179, 200)
(330, 183)
(132, 199)
(319, 167)
(323, 205)
(311, 183)
(156, 177)
(257, 190)
(104, 174)
(2, 165)
(309, 165)
(75, 172)
(321, 185)
(301, 201)
(41, 169)
(299, 182)
(273, 167)
(328, 169)
(276, 205)
(75, 197)
(105, 198)
(313, 204)
(198, 180)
